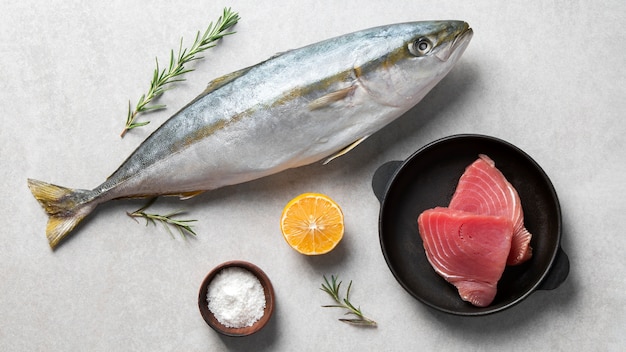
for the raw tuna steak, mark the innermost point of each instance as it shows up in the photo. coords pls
(468, 250)
(483, 189)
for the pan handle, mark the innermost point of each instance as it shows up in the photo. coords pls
(382, 176)
(558, 272)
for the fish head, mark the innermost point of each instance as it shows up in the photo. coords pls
(414, 58)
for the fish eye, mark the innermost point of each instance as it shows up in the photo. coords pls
(420, 47)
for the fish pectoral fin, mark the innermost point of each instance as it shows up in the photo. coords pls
(346, 149)
(330, 98)
(187, 195)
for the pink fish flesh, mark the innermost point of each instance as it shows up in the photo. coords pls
(483, 189)
(468, 250)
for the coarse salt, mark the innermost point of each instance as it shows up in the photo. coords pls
(236, 297)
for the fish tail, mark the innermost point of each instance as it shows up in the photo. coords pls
(65, 207)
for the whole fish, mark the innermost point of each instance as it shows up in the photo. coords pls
(296, 108)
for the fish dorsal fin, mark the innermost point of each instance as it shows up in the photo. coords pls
(229, 77)
(219, 83)
(224, 80)
(328, 99)
(278, 54)
(346, 149)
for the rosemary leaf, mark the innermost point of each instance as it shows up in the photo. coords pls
(162, 79)
(167, 220)
(332, 288)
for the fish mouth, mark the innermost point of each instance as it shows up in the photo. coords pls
(460, 39)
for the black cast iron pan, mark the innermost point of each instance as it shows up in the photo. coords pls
(428, 179)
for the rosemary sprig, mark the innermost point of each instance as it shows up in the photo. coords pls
(162, 78)
(167, 220)
(332, 288)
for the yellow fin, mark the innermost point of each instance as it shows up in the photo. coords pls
(346, 149)
(222, 81)
(219, 82)
(65, 208)
(280, 53)
(187, 195)
(330, 98)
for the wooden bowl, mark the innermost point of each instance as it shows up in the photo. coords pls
(210, 319)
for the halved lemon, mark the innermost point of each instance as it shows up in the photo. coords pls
(312, 223)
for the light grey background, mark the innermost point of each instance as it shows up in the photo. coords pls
(548, 77)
